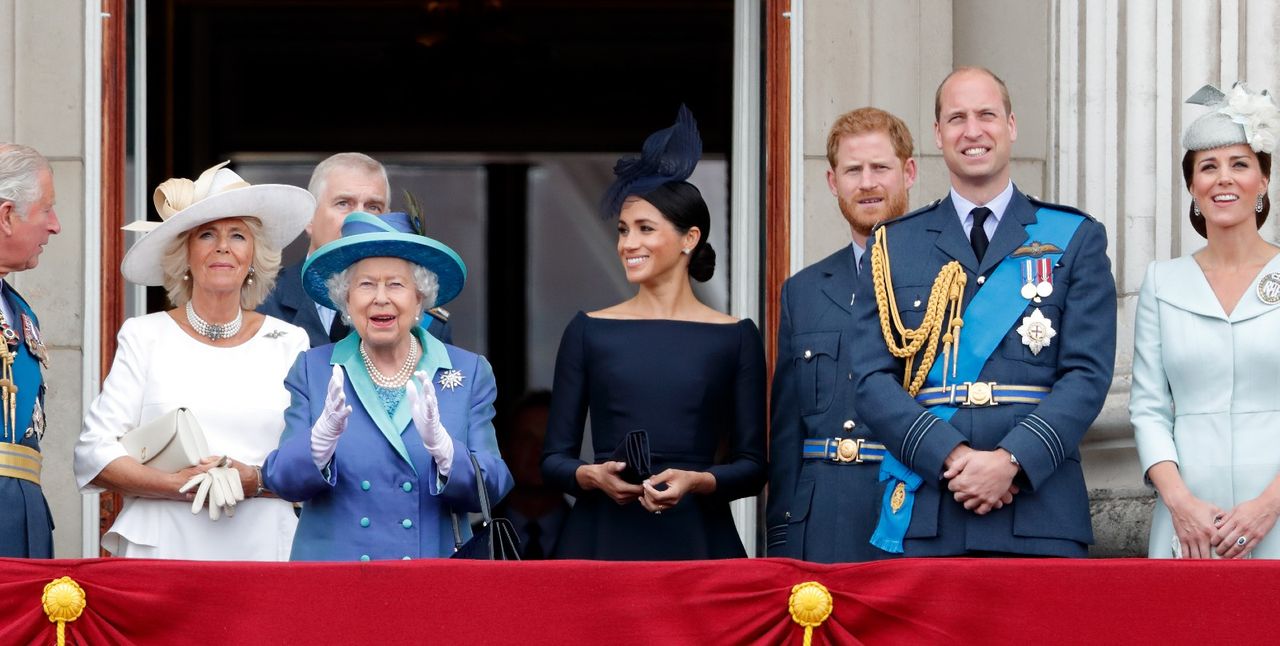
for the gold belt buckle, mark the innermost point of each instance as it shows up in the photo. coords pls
(979, 393)
(849, 450)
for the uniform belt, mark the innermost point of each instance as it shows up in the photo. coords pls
(981, 393)
(844, 449)
(20, 461)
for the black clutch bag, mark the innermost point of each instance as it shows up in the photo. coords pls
(634, 451)
(496, 540)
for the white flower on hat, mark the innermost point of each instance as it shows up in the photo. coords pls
(1257, 113)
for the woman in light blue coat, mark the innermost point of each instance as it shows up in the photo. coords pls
(377, 434)
(1206, 363)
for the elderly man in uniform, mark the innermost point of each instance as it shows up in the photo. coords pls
(342, 184)
(824, 494)
(27, 219)
(996, 318)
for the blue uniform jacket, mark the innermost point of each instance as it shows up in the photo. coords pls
(1051, 514)
(26, 526)
(289, 302)
(819, 510)
(380, 497)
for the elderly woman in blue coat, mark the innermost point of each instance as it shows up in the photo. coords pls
(377, 434)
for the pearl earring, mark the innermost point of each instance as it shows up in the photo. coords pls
(1195, 208)
(685, 251)
(249, 280)
(186, 275)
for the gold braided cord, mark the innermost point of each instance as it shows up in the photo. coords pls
(942, 311)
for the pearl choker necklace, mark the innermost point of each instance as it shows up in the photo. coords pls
(401, 377)
(214, 331)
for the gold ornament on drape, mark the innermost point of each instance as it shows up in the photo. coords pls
(810, 605)
(63, 601)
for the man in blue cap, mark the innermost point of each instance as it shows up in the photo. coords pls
(342, 184)
(996, 314)
(27, 219)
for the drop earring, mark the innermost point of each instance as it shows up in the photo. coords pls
(249, 280)
(1257, 206)
(186, 275)
(1195, 208)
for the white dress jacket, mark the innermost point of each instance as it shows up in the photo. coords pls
(1206, 391)
(237, 395)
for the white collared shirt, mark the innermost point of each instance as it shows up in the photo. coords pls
(998, 205)
(857, 258)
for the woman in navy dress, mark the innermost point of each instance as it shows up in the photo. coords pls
(663, 362)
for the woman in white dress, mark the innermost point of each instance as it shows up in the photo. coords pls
(1205, 411)
(217, 253)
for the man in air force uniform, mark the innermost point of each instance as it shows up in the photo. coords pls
(996, 315)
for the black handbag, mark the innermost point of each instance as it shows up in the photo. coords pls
(496, 540)
(634, 451)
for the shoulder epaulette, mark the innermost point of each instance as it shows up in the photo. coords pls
(1057, 207)
(926, 208)
(440, 313)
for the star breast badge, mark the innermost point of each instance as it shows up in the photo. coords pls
(1036, 331)
(451, 379)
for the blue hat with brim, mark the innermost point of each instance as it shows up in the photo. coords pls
(387, 236)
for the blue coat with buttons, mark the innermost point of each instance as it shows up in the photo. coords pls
(819, 510)
(1050, 515)
(381, 496)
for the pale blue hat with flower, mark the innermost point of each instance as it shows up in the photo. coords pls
(1238, 116)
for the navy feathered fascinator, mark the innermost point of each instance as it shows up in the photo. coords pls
(669, 155)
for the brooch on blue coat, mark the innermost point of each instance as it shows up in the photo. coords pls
(451, 379)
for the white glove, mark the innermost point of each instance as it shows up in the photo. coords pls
(332, 422)
(426, 418)
(220, 486)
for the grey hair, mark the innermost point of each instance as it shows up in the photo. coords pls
(266, 266)
(357, 161)
(20, 168)
(425, 280)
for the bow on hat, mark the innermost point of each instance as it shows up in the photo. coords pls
(177, 194)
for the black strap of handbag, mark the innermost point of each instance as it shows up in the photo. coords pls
(485, 511)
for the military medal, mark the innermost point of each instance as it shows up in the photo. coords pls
(1028, 279)
(1036, 331)
(34, 343)
(899, 497)
(451, 379)
(37, 421)
(1269, 289)
(1045, 287)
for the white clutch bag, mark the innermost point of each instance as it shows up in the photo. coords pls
(171, 442)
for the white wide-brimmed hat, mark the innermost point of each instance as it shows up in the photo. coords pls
(218, 193)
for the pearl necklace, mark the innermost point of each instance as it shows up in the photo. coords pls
(401, 377)
(214, 331)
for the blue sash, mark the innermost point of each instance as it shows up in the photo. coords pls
(995, 307)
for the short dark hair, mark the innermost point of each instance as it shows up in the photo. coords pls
(1189, 169)
(682, 205)
(1004, 90)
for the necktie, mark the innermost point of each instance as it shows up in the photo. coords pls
(978, 234)
(533, 542)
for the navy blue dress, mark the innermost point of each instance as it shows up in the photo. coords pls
(698, 389)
